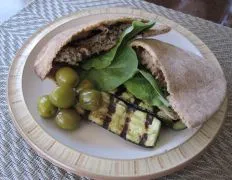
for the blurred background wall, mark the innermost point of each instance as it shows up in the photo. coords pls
(219, 11)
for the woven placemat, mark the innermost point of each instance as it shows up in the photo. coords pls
(19, 161)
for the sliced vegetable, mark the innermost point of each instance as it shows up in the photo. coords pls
(179, 125)
(129, 123)
(169, 112)
(129, 99)
(107, 58)
(166, 115)
(123, 68)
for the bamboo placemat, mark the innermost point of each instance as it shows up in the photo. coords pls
(19, 161)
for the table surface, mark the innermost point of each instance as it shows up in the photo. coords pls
(19, 161)
(11, 7)
(219, 11)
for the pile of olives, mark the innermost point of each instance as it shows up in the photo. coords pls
(69, 96)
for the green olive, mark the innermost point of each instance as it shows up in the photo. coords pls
(68, 119)
(63, 97)
(90, 99)
(85, 84)
(67, 76)
(45, 108)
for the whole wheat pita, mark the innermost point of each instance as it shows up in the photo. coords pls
(197, 86)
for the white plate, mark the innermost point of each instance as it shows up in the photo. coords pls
(90, 138)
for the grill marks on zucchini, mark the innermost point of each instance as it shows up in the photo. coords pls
(118, 92)
(125, 128)
(127, 98)
(148, 121)
(126, 121)
(143, 139)
(111, 110)
(130, 118)
(136, 127)
(122, 94)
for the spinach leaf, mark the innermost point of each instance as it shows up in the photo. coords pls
(143, 86)
(104, 60)
(122, 68)
(140, 88)
(155, 86)
(101, 61)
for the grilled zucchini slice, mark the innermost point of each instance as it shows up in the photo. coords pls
(167, 117)
(178, 125)
(131, 124)
(129, 99)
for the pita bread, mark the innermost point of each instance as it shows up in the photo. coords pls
(44, 61)
(196, 86)
(45, 57)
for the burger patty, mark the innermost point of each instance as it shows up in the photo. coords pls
(99, 40)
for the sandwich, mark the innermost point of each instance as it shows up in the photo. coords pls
(144, 83)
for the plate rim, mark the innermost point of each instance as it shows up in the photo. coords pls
(83, 163)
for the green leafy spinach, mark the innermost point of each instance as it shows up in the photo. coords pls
(144, 87)
(155, 86)
(122, 68)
